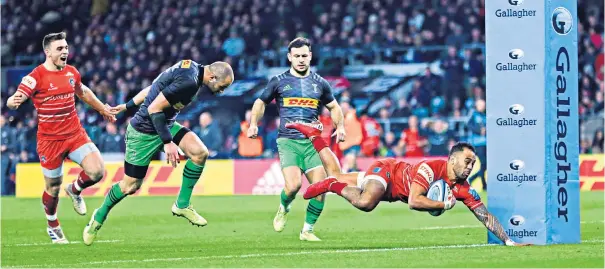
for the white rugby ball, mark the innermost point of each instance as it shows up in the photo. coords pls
(438, 191)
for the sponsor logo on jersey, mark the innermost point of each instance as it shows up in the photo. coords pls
(69, 74)
(29, 82)
(59, 97)
(186, 64)
(426, 172)
(52, 87)
(72, 82)
(315, 88)
(287, 88)
(301, 102)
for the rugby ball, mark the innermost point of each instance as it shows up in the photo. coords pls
(438, 191)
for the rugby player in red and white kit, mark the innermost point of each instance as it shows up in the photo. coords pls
(392, 180)
(52, 86)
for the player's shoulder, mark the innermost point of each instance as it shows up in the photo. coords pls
(317, 77)
(279, 77)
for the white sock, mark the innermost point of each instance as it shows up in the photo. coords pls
(51, 217)
(307, 227)
(77, 186)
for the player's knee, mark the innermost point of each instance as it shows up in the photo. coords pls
(96, 173)
(199, 156)
(130, 186)
(293, 187)
(53, 188)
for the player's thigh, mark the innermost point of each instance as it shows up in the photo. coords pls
(379, 172)
(190, 143)
(371, 194)
(140, 149)
(312, 164)
(292, 178)
(87, 155)
(51, 154)
(289, 155)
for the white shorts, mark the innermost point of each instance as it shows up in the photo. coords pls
(362, 180)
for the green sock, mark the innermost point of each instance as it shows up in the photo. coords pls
(113, 197)
(191, 174)
(285, 200)
(313, 211)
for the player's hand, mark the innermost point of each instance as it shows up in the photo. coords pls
(117, 109)
(107, 115)
(172, 154)
(512, 243)
(252, 131)
(340, 134)
(450, 202)
(16, 100)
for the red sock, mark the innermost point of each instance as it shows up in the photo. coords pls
(337, 187)
(319, 144)
(81, 183)
(50, 208)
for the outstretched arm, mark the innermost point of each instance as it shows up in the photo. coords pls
(135, 102)
(88, 96)
(493, 225)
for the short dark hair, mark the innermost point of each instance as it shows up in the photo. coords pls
(52, 37)
(299, 42)
(460, 146)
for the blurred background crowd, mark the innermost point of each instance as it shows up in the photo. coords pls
(120, 46)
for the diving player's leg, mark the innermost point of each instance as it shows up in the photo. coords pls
(291, 162)
(197, 152)
(86, 154)
(371, 187)
(140, 148)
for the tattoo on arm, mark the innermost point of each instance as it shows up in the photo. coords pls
(490, 222)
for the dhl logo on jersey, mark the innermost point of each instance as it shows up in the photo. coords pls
(301, 102)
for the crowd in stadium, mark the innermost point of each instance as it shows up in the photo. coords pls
(120, 46)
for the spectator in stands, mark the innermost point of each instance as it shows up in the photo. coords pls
(477, 137)
(438, 136)
(597, 142)
(248, 147)
(411, 140)
(209, 132)
(371, 132)
(270, 142)
(351, 146)
(111, 141)
(453, 68)
(403, 109)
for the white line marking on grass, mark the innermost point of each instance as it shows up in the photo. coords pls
(480, 226)
(70, 242)
(261, 255)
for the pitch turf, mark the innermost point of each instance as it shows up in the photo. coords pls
(141, 232)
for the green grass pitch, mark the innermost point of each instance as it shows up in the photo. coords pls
(141, 232)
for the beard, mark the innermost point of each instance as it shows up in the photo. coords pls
(303, 72)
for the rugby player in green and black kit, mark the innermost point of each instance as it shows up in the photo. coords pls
(299, 94)
(153, 128)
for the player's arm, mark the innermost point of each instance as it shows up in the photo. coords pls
(133, 104)
(16, 100)
(88, 96)
(25, 89)
(417, 199)
(258, 109)
(493, 225)
(419, 202)
(335, 111)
